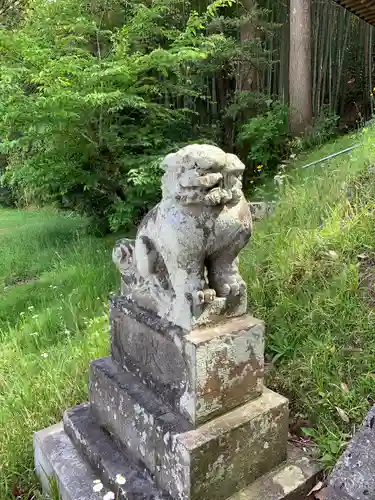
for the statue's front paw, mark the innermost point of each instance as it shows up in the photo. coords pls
(209, 295)
(232, 289)
(202, 297)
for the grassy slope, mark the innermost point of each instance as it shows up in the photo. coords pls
(303, 268)
(54, 282)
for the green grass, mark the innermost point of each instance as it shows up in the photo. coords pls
(54, 283)
(304, 271)
(267, 190)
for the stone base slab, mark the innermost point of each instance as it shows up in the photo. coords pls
(202, 374)
(210, 462)
(56, 457)
(292, 480)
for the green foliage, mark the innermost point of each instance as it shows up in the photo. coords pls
(325, 128)
(263, 139)
(93, 94)
(54, 286)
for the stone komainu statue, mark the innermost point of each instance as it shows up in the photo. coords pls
(183, 263)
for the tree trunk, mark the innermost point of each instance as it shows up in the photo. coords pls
(300, 73)
(247, 74)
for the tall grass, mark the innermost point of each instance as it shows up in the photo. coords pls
(305, 271)
(54, 282)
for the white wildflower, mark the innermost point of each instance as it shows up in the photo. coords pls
(35, 316)
(120, 479)
(97, 481)
(44, 355)
(109, 496)
(30, 308)
(97, 488)
(34, 334)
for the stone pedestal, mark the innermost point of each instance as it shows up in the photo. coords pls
(180, 415)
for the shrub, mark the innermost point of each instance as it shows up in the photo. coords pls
(91, 96)
(263, 140)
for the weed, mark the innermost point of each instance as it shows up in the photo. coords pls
(304, 272)
(50, 328)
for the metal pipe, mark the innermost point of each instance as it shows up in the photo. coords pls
(331, 156)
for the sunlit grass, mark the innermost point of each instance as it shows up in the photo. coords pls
(55, 280)
(303, 268)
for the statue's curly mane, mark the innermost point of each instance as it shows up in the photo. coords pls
(196, 175)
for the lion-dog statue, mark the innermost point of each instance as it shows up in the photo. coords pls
(185, 255)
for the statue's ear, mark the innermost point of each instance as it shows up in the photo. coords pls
(234, 164)
(171, 161)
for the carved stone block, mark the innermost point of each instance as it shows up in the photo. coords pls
(210, 462)
(70, 462)
(201, 375)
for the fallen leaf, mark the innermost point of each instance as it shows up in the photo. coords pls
(344, 387)
(317, 487)
(343, 415)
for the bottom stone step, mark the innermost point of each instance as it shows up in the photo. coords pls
(56, 457)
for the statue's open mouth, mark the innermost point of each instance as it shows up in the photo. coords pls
(218, 185)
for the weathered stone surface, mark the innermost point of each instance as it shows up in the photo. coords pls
(202, 374)
(57, 457)
(225, 365)
(354, 474)
(211, 462)
(53, 447)
(292, 480)
(149, 347)
(331, 494)
(130, 411)
(186, 250)
(109, 458)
